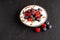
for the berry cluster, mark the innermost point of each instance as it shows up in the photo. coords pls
(43, 27)
(35, 15)
(32, 15)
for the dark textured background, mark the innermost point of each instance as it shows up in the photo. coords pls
(12, 29)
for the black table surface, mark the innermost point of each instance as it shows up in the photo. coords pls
(12, 29)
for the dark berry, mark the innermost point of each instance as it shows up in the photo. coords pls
(44, 29)
(37, 19)
(41, 15)
(26, 17)
(31, 16)
(47, 22)
(50, 26)
(33, 13)
(35, 10)
(38, 8)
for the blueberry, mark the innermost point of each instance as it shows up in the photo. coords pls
(32, 13)
(47, 22)
(44, 29)
(25, 17)
(38, 8)
(35, 9)
(50, 26)
(31, 16)
(37, 19)
(41, 15)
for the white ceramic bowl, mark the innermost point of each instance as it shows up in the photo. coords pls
(35, 23)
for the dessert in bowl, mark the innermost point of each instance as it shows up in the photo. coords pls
(33, 15)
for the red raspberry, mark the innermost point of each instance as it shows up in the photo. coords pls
(27, 14)
(29, 19)
(37, 29)
(37, 13)
(38, 17)
(44, 25)
(30, 13)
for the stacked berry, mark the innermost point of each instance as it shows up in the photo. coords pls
(32, 15)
